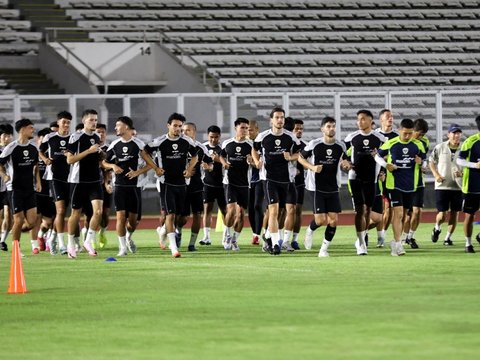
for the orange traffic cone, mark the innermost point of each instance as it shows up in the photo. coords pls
(17, 279)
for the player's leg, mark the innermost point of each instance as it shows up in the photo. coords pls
(197, 212)
(133, 208)
(470, 207)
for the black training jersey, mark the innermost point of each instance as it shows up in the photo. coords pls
(87, 170)
(196, 181)
(300, 177)
(54, 147)
(317, 152)
(362, 148)
(215, 177)
(126, 155)
(19, 161)
(42, 169)
(236, 152)
(172, 157)
(388, 135)
(275, 167)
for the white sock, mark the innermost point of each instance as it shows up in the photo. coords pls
(381, 234)
(281, 233)
(287, 234)
(361, 237)
(268, 235)
(76, 239)
(123, 242)
(91, 235)
(129, 235)
(53, 236)
(61, 242)
(295, 237)
(193, 239)
(438, 227)
(411, 234)
(71, 241)
(447, 237)
(275, 238)
(173, 243)
(3, 236)
(236, 236)
(468, 240)
(325, 244)
(206, 233)
(230, 230)
(40, 233)
(404, 236)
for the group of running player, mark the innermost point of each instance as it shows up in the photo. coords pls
(264, 174)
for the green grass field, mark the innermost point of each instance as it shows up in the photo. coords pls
(214, 304)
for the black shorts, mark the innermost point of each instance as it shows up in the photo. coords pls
(21, 200)
(45, 205)
(173, 198)
(128, 198)
(324, 203)
(377, 205)
(418, 196)
(83, 193)
(276, 192)
(237, 194)
(60, 191)
(471, 203)
(300, 194)
(363, 192)
(210, 194)
(107, 198)
(400, 198)
(4, 199)
(291, 194)
(193, 203)
(448, 200)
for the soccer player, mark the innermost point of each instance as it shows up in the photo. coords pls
(469, 159)
(84, 156)
(448, 192)
(299, 186)
(18, 168)
(6, 136)
(101, 130)
(323, 158)
(420, 128)
(173, 151)
(213, 183)
(279, 149)
(256, 196)
(402, 155)
(362, 146)
(236, 159)
(124, 157)
(52, 152)
(194, 198)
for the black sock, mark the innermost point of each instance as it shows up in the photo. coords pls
(330, 232)
(313, 225)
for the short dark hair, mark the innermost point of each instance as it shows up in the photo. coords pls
(101, 126)
(176, 116)
(79, 126)
(420, 125)
(22, 123)
(6, 129)
(44, 132)
(126, 120)
(64, 115)
(406, 124)
(276, 109)
(327, 119)
(365, 112)
(289, 123)
(89, 112)
(297, 122)
(239, 121)
(53, 124)
(214, 129)
(383, 112)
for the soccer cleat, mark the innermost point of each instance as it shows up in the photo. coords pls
(407, 241)
(478, 238)
(393, 247)
(469, 249)
(162, 237)
(102, 241)
(448, 242)
(255, 240)
(295, 245)
(435, 235)
(227, 243)
(400, 249)
(235, 246)
(35, 250)
(276, 250)
(3, 246)
(122, 252)
(131, 246)
(41, 243)
(380, 242)
(361, 249)
(176, 254)
(287, 246)
(323, 253)
(205, 241)
(413, 244)
(88, 246)
(191, 248)
(53, 247)
(307, 242)
(267, 246)
(71, 252)
(63, 251)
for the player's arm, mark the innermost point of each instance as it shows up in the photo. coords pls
(38, 179)
(256, 158)
(190, 167)
(433, 167)
(151, 164)
(110, 166)
(73, 158)
(134, 173)
(379, 158)
(3, 173)
(43, 148)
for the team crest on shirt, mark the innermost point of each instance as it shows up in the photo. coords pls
(366, 142)
(329, 152)
(25, 152)
(125, 149)
(238, 149)
(210, 152)
(278, 142)
(92, 141)
(405, 151)
(175, 146)
(63, 143)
